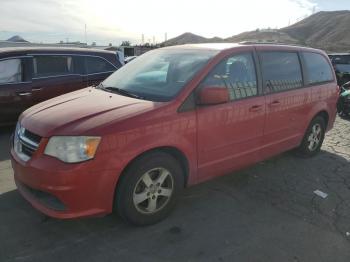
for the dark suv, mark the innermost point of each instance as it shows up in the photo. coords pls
(31, 75)
(341, 65)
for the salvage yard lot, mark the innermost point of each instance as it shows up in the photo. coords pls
(267, 212)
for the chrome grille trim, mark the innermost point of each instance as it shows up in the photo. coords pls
(28, 142)
(23, 145)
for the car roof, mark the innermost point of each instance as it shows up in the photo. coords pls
(227, 46)
(37, 50)
(340, 54)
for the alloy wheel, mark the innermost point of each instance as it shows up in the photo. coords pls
(153, 190)
(315, 136)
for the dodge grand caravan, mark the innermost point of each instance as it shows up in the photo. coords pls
(31, 75)
(172, 118)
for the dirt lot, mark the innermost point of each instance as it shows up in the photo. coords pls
(264, 213)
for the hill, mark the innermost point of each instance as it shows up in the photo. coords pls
(326, 30)
(17, 38)
(189, 38)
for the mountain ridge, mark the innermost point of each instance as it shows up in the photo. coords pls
(328, 30)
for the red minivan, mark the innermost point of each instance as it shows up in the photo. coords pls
(169, 119)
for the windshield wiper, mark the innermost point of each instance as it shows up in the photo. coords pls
(120, 91)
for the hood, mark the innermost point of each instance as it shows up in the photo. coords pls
(81, 112)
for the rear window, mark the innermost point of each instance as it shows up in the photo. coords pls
(281, 71)
(45, 66)
(97, 65)
(318, 68)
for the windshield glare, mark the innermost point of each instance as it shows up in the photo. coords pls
(159, 75)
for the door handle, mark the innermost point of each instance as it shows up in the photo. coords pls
(37, 89)
(275, 103)
(255, 108)
(24, 93)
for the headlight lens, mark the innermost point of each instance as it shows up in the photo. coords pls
(72, 149)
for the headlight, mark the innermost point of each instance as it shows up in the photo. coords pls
(72, 149)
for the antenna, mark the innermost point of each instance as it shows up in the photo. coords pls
(143, 38)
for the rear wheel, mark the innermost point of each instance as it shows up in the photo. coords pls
(313, 138)
(148, 189)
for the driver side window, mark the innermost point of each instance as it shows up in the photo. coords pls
(237, 74)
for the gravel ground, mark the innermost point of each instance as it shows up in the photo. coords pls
(267, 212)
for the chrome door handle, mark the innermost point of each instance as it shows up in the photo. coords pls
(275, 103)
(255, 108)
(24, 93)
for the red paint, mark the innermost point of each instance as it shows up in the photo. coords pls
(213, 96)
(214, 139)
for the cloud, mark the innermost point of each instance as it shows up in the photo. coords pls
(114, 21)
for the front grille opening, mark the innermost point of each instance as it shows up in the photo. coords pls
(26, 143)
(48, 200)
(31, 136)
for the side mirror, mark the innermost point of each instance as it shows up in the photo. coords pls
(212, 95)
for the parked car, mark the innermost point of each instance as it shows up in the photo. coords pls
(129, 59)
(343, 105)
(341, 65)
(174, 117)
(31, 75)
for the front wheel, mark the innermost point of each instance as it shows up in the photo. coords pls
(313, 138)
(148, 189)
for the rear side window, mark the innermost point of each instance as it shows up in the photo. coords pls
(45, 66)
(318, 68)
(10, 71)
(95, 65)
(237, 74)
(281, 71)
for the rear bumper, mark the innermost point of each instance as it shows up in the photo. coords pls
(64, 191)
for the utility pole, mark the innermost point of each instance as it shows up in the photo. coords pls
(85, 35)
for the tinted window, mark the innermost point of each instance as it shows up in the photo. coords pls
(340, 59)
(318, 68)
(97, 65)
(52, 65)
(281, 71)
(237, 74)
(10, 71)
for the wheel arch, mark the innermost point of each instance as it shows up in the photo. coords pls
(171, 150)
(324, 114)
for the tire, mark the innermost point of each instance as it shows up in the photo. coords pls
(312, 141)
(148, 189)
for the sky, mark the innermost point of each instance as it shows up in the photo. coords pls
(112, 21)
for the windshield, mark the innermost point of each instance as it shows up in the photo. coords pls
(159, 75)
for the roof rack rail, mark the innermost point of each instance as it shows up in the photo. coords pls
(266, 43)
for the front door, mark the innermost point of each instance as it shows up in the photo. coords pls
(97, 69)
(15, 89)
(230, 135)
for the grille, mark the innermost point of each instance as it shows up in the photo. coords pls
(25, 143)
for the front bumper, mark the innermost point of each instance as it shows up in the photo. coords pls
(63, 190)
